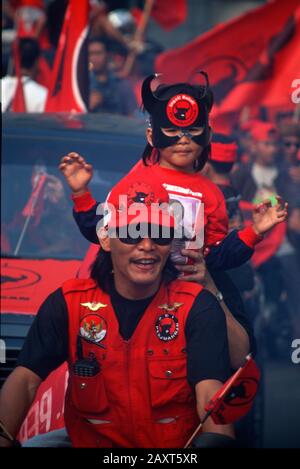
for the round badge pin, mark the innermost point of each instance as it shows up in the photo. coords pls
(167, 327)
(182, 110)
(93, 328)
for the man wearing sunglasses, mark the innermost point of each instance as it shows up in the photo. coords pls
(146, 351)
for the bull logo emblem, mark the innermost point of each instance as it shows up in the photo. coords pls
(181, 111)
(243, 393)
(140, 197)
(167, 327)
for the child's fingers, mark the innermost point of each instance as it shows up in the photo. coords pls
(282, 206)
(73, 157)
(279, 200)
(187, 268)
(88, 167)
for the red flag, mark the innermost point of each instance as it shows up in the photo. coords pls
(235, 398)
(250, 59)
(169, 13)
(35, 203)
(269, 81)
(18, 103)
(69, 81)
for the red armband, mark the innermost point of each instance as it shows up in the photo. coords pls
(249, 237)
(84, 202)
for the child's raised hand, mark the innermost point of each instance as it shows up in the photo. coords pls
(77, 172)
(265, 216)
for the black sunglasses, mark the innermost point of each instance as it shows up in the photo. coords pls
(291, 144)
(163, 239)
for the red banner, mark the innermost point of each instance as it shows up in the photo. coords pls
(25, 284)
(69, 81)
(250, 60)
(47, 411)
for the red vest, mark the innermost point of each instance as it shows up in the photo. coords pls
(141, 396)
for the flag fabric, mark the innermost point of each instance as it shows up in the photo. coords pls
(18, 103)
(250, 60)
(69, 80)
(235, 398)
(35, 204)
(169, 13)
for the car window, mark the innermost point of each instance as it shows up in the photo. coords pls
(27, 160)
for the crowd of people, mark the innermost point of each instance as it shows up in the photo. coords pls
(111, 39)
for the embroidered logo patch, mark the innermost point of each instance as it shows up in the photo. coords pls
(182, 110)
(167, 327)
(93, 328)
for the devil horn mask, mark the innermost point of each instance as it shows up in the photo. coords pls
(148, 98)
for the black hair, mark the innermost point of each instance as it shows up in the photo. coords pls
(221, 168)
(29, 52)
(102, 270)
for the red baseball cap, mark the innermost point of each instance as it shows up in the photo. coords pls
(139, 199)
(261, 131)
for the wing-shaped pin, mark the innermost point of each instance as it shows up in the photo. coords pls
(93, 306)
(169, 308)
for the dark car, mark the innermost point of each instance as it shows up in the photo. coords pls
(42, 249)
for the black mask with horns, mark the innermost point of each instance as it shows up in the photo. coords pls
(181, 106)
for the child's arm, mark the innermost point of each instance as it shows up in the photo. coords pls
(238, 246)
(78, 174)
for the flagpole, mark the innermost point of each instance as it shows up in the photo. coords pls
(197, 429)
(140, 30)
(25, 226)
(224, 390)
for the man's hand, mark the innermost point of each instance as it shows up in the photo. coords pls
(196, 270)
(77, 172)
(266, 217)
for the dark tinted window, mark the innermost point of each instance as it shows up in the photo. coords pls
(31, 148)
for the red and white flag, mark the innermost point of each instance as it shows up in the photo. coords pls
(35, 204)
(69, 81)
